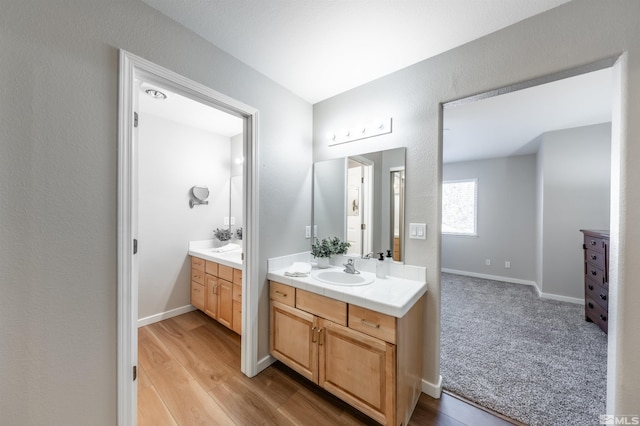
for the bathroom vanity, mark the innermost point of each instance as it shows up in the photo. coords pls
(216, 285)
(362, 343)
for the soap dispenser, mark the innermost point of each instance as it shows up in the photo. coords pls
(389, 257)
(381, 267)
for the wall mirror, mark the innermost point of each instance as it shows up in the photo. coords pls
(361, 200)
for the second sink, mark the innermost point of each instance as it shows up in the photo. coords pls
(342, 278)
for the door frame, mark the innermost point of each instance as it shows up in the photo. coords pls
(132, 67)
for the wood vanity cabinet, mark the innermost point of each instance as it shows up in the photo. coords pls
(596, 277)
(370, 360)
(217, 291)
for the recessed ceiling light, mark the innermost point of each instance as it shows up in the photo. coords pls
(155, 94)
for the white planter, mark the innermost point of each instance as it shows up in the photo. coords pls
(323, 262)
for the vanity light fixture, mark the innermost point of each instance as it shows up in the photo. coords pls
(360, 131)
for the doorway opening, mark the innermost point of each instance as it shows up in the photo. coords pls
(134, 73)
(525, 200)
(359, 208)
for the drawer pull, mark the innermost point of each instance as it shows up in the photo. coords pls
(590, 305)
(603, 296)
(369, 323)
(593, 242)
(590, 287)
(603, 317)
(594, 257)
(321, 334)
(594, 272)
(314, 338)
(279, 293)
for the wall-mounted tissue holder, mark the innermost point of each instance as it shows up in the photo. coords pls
(199, 195)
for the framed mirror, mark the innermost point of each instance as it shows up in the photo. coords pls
(360, 199)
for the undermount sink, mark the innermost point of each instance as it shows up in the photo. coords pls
(342, 278)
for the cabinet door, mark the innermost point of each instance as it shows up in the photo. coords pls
(359, 369)
(294, 339)
(211, 299)
(225, 305)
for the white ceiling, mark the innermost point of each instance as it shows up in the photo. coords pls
(506, 125)
(320, 48)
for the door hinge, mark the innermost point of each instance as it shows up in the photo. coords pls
(135, 372)
(363, 226)
(135, 246)
(135, 119)
(361, 180)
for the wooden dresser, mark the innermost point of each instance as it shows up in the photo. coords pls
(596, 277)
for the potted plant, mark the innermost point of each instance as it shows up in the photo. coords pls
(323, 249)
(222, 234)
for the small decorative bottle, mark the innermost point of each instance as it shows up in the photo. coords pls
(381, 267)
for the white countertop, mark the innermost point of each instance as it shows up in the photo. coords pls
(392, 296)
(205, 250)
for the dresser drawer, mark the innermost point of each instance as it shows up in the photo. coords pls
(595, 258)
(197, 295)
(225, 272)
(594, 243)
(237, 276)
(197, 275)
(282, 293)
(597, 293)
(595, 313)
(324, 307)
(372, 323)
(594, 273)
(237, 293)
(197, 263)
(211, 268)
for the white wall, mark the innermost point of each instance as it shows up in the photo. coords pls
(506, 218)
(576, 179)
(173, 158)
(58, 191)
(568, 37)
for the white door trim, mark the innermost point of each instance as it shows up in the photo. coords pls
(132, 67)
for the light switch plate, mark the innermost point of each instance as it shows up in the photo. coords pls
(418, 231)
(307, 231)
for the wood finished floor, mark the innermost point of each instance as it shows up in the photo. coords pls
(189, 374)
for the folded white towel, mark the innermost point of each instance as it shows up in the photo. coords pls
(226, 248)
(298, 269)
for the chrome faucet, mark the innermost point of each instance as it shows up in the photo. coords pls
(368, 256)
(350, 267)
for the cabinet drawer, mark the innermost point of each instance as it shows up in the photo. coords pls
(237, 292)
(595, 313)
(197, 263)
(594, 273)
(211, 268)
(595, 258)
(331, 309)
(225, 272)
(197, 295)
(282, 293)
(597, 293)
(197, 275)
(594, 243)
(237, 276)
(372, 323)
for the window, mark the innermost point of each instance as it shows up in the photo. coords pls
(460, 207)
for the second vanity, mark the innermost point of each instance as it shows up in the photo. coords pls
(362, 343)
(216, 283)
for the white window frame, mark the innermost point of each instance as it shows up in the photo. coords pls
(475, 212)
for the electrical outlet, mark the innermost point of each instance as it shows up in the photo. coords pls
(507, 265)
(487, 262)
(315, 231)
(226, 220)
(307, 231)
(233, 220)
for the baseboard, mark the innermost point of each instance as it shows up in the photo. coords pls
(165, 315)
(265, 362)
(540, 294)
(433, 390)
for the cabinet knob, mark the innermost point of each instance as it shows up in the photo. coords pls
(594, 272)
(590, 287)
(590, 305)
(592, 242)
(603, 296)
(603, 317)
(593, 257)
